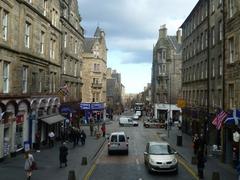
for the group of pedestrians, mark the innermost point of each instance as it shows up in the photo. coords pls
(76, 135)
(199, 152)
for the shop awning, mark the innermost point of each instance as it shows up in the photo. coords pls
(53, 119)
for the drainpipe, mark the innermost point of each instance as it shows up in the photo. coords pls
(223, 132)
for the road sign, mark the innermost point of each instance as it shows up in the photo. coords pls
(181, 103)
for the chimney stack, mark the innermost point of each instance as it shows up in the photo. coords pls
(163, 31)
(179, 36)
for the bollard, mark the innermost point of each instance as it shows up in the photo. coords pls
(215, 175)
(84, 160)
(194, 160)
(71, 175)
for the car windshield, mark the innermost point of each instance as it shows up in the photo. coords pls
(160, 149)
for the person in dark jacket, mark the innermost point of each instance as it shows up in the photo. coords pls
(83, 137)
(63, 152)
(200, 163)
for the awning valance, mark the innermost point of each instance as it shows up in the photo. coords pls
(53, 119)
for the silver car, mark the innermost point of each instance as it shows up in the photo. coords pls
(160, 157)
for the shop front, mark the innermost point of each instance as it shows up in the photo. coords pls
(93, 110)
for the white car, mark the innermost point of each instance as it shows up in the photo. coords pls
(117, 141)
(127, 121)
(135, 117)
(160, 157)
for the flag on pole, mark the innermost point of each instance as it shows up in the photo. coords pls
(233, 118)
(217, 121)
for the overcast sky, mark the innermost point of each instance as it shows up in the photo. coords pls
(131, 28)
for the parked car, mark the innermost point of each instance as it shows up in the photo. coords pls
(127, 121)
(154, 123)
(160, 157)
(117, 142)
(135, 117)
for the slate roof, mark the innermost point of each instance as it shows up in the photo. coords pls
(175, 44)
(88, 44)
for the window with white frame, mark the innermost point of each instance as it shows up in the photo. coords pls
(5, 25)
(206, 38)
(231, 5)
(213, 35)
(64, 66)
(202, 41)
(75, 47)
(41, 74)
(213, 67)
(65, 39)
(231, 96)
(42, 39)
(220, 30)
(220, 65)
(52, 48)
(220, 99)
(206, 69)
(45, 7)
(212, 5)
(96, 67)
(231, 50)
(5, 77)
(27, 34)
(24, 79)
(219, 2)
(202, 70)
(54, 80)
(75, 69)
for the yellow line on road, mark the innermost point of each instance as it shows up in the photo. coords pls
(189, 169)
(87, 176)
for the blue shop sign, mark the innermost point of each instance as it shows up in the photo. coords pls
(97, 106)
(65, 109)
(86, 106)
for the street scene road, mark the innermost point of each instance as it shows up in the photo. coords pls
(131, 166)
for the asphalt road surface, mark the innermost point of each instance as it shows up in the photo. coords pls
(131, 166)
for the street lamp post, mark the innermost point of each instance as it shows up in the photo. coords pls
(169, 111)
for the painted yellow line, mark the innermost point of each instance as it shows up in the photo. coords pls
(189, 169)
(87, 176)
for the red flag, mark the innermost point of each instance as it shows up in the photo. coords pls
(217, 121)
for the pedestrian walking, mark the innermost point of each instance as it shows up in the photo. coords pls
(103, 128)
(51, 137)
(200, 163)
(29, 165)
(38, 141)
(91, 126)
(196, 143)
(63, 152)
(83, 137)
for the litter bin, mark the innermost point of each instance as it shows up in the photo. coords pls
(179, 140)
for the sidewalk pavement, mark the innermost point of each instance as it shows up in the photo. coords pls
(48, 161)
(186, 152)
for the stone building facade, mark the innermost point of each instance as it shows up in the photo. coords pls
(72, 60)
(115, 90)
(210, 63)
(94, 68)
(166, 68)
(231, 71)
(31, 68)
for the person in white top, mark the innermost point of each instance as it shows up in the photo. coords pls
(51, 136)
(28, 164)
